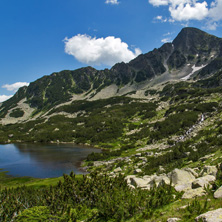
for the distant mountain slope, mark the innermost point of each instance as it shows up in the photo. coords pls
(192, 53)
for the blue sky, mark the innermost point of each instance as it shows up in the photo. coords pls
(39, 37)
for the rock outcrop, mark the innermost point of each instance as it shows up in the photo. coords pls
(185, 180)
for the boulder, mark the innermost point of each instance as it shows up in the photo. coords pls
(117, 170)
(209, 170)
(138, 155)
(218, 193)
(137, 171)
(144, 159)
(140, 182)
(128, 178)
(211, 216)
(191, 193)
(159, 180)
(203, 181)
(174, 219)
(181, 177)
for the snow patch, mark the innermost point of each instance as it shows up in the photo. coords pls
(194, 69)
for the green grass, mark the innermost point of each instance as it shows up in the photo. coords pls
(177, 209)
(12, 182)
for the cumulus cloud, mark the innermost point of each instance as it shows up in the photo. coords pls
(185, 10)
(4, 97)
(189, 11)
(15, 86)
(98, 51)
(112, 2)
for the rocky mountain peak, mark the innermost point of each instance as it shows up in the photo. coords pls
(193, 40)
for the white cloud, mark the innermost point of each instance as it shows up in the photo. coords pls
(215, 11)
(98, 51)
(186, 10)
(160, 18)
(14, 87)
(112, 2)
(4, 97)
(165, 40)
(158, 2)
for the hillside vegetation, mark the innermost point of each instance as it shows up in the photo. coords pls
(161, 137)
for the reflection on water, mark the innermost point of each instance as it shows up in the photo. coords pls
(42, 161)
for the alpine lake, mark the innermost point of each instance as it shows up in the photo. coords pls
(43, 160)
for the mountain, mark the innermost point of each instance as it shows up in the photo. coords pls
(158, 121)
(193, 54)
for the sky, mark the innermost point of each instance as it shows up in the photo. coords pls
(39, 37)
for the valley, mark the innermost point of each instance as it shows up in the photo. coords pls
(158, 120)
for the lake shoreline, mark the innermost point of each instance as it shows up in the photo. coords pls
(43, 160)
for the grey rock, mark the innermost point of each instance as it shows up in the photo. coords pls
(191, 193)
(211, 216)
(117, 170)
(203, 181)
(140, 182)
(159, 180)
(138, 155)
(218, 193)
(181, 177)
(143, 159)
(136, 171)
(174, 219)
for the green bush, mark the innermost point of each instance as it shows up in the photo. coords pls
(93, 198)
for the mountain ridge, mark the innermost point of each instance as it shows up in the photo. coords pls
(191, 50)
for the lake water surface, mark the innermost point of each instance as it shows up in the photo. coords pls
(42, 161)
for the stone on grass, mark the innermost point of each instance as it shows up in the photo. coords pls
(159, 180)
(137, 171)
(140, 182)
(211, 216)
(138, 155)
(191, 193)
(174, 219)
(117, 170)
(181, 177)
(218, 193)
(203, 181)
